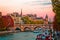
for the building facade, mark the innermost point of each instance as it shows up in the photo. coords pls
(17, 18)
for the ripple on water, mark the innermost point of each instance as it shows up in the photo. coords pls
(19, 36)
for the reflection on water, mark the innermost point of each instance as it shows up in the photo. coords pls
(19, 36)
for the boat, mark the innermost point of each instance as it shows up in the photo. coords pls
(35, 31)
(38, 30)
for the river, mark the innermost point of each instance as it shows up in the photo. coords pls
(19, 36)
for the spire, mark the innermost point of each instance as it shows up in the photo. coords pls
(46, 16)
(21, 13)
(46, 19)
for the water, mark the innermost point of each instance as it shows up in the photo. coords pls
(20, 36)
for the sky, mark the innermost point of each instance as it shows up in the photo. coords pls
(39, 7)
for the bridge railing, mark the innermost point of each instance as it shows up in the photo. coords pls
(37, 24)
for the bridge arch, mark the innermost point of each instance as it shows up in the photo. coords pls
(17, 28)
(37, 28)
(27, 29)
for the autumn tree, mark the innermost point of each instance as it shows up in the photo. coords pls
(1, 23)
(56, 9)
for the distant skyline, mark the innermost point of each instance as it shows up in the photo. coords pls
(39, 7)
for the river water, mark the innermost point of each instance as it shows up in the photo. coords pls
(20, 36)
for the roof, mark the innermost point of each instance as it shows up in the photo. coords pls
(39, 18)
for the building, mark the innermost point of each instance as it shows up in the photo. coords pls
(35, 18)
(32, 16)
(38, 19)
(17, 18)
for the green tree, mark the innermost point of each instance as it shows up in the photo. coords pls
(28, 21)
(39, 22)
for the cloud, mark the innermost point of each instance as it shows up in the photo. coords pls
(46, 3)
(39, 2)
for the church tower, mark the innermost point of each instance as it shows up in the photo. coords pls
(21, 13)
(46, 19)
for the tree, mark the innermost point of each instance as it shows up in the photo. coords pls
(39, 22)
(2, 28)
(56, 9)
(26, 20)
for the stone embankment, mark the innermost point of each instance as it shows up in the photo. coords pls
(5, 32)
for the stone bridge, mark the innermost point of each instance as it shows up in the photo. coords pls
(32, 27)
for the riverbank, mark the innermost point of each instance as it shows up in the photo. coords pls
(5, 32)
(9, 32)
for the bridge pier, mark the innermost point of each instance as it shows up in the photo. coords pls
(22, 28)
(32, 28)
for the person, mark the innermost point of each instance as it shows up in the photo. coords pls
(43, 37)
(50, 37)
(47, 38)
(38, 37)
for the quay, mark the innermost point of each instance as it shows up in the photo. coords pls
(5, 32)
